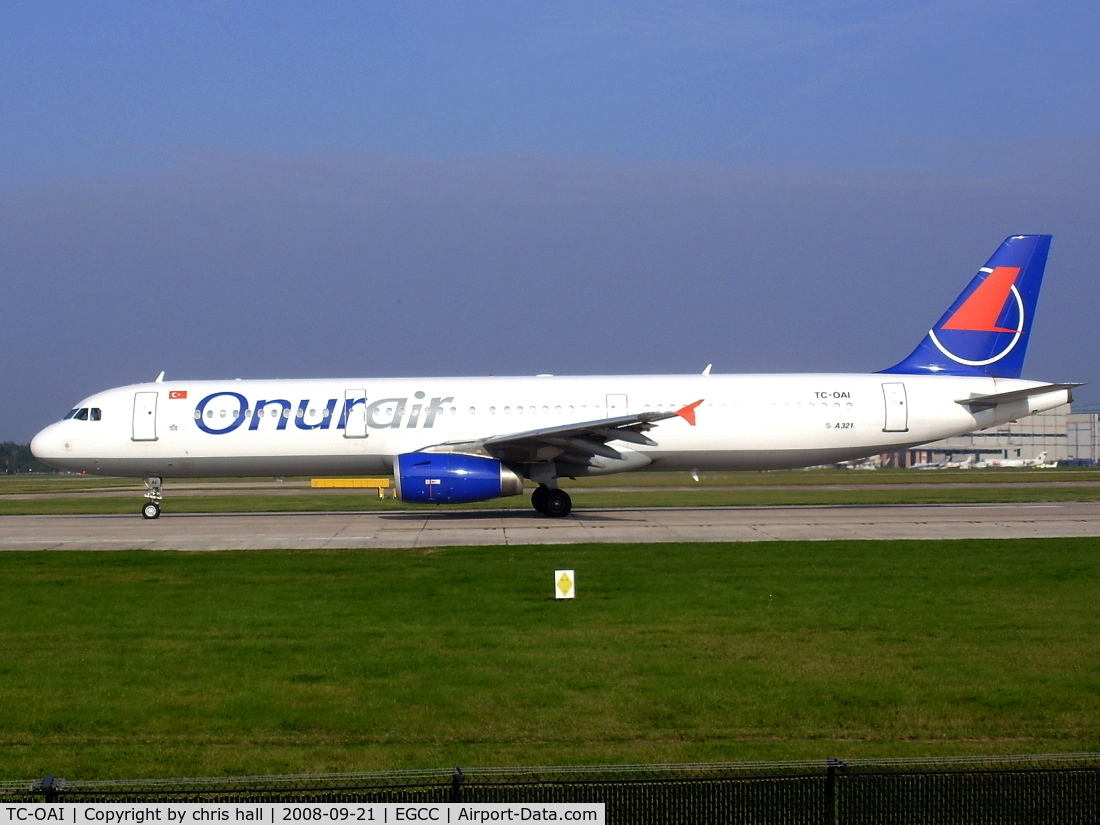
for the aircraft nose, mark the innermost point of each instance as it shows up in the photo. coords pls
(47, 444)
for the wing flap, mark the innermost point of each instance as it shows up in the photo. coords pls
(632, 436)
(585, 446)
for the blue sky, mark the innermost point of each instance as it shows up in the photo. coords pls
(245, 189)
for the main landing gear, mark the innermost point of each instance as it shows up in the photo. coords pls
(151, 508)
(551, 502)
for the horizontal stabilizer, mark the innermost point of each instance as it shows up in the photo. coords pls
(996, 399)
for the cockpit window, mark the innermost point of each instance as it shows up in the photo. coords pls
(97, 413)
(82, 414)
(70, 414)
(85, 414)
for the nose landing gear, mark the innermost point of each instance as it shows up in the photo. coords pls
(151, 508)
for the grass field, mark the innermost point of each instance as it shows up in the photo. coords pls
(120, 665)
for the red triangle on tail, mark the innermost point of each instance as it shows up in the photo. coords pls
(980, 311)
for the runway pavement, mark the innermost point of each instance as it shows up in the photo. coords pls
(263, 531)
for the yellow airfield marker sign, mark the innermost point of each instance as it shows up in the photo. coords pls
(565, 584)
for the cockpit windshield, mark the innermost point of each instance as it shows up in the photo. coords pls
(85, 414)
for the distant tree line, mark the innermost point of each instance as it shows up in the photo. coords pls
(17, 458)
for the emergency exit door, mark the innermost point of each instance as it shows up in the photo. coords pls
(616, 405)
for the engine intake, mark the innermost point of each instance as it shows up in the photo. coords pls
(453, 478)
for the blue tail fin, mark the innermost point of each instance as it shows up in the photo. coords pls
(985, 331)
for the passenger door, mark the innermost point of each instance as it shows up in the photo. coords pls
(897, 410)
(355, 410)
(145, 416)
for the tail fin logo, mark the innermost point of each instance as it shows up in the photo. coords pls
(988, 324)
(986, 329)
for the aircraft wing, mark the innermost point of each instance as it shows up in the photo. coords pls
(575, 443)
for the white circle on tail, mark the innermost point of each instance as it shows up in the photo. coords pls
(1011, 344)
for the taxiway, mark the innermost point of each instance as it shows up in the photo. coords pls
(394, 529)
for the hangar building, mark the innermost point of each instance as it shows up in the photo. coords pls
(1065, 436)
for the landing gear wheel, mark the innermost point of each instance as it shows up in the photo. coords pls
(151, 508)
(538, 498)
(557, 503)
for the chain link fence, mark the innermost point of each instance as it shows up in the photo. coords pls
(1048, 789)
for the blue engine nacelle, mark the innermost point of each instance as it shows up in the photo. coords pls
(453, 478)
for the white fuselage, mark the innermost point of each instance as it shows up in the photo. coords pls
(357, 426)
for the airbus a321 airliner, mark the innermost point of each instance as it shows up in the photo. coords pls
(460, 440)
